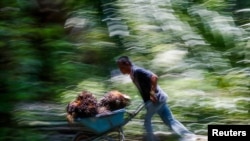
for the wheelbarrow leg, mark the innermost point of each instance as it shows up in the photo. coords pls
(121, 135)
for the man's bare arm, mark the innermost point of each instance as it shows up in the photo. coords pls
(154, 79)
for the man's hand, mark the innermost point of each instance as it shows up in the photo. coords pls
(152, 97)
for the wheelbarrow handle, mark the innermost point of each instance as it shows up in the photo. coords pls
(138, 109)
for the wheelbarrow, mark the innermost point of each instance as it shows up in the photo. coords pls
(106, 127)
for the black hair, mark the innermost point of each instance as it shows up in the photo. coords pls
(124, 60)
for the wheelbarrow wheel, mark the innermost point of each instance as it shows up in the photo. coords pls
(82, 137)
(114, 136)
(111, 136)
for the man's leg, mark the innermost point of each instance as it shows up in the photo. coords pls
(167, 117)
(151, 108)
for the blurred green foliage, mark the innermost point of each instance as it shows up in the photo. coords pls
(52, 50)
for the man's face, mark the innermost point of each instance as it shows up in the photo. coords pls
(125, 69)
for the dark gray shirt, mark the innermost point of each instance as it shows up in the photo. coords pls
(142, 80)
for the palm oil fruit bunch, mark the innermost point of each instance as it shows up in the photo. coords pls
(88, 104)
(114, 100)
(85, 105)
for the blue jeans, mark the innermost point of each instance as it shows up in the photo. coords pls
(167, 117)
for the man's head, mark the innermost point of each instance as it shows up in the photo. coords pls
(124, 64)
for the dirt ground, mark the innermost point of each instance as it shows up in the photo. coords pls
(165, 136)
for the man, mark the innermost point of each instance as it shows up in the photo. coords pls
(154, 98)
